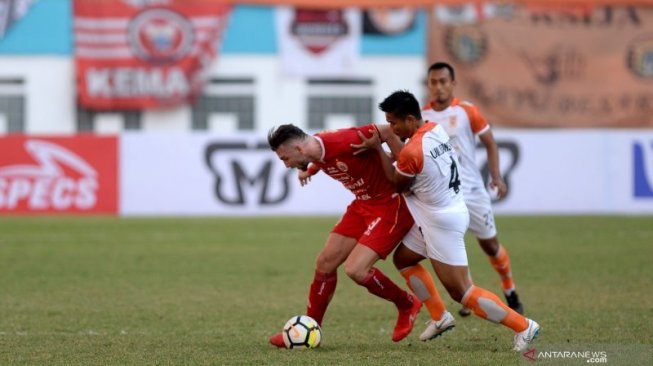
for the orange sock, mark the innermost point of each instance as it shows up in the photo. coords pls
(501, 263)
(421, 283)
(488, 306)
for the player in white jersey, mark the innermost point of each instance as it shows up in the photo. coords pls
(427, 173)
(463, 122)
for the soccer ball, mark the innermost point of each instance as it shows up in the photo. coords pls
(301, 331)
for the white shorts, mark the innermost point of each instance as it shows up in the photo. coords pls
(481, 217)
(442, 237)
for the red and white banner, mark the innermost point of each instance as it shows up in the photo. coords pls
(58, 174)
(318, 43)
(137, 54)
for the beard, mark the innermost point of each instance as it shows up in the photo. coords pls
(303, 166)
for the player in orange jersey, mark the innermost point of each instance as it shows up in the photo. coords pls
(370, 229)
(463, 122)
(427, 168)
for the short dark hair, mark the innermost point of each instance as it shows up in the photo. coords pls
(402, 104)
(443, 65)
(283, 133)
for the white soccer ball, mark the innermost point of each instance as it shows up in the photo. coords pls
(301, 331)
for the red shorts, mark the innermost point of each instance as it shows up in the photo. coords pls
(379, 225)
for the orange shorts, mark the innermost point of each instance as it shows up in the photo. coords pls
(379, 225)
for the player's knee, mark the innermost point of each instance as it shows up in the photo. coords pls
(404, 258)
(326, 263)
(355, 273)
(490, 246)
(455, 290)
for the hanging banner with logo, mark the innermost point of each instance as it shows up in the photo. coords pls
(138, 54)
(53, 175)
(11, 11)
(388, 21)
(534, 67)
(318, 43)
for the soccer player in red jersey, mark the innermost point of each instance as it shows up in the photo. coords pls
(371, 227)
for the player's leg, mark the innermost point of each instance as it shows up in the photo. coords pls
(498, 256)
(484, 303)
(482, 225)
(360, 267)
(338, 246)
(445, 246)
(323, 286)
(335, 252)
(406, 258)
(387, 224)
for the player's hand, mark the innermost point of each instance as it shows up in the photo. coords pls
(499, 188)
(304, 177)
(374, 142)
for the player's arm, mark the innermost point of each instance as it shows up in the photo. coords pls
(393, 141)
(304, 176)
(496, 181)
(400, 181)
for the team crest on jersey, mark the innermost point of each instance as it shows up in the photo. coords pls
(160, 35)
(342, 166)
(453, 121)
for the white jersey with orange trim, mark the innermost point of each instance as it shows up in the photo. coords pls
(463, 122)
(429, 157)
(437, 203)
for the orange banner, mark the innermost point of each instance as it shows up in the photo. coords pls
(530, 67)
(422, 3)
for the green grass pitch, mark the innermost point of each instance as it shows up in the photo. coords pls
(209, 291)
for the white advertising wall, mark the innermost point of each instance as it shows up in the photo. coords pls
(548, 172)
(203, 174)
(576, 172)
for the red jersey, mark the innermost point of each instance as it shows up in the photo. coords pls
(363, 173)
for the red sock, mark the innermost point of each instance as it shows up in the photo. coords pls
(320, 294)
(380, 285)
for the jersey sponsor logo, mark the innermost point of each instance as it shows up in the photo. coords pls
(239, 182)
(371, 226)
(643, 173)
(342, 166)
(508, 151)
(72, 175)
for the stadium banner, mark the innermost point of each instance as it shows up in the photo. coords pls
(389, 21)
(143, 54)
(318, 43)
(235, 175)
(548, 172)
(538, 67)
(12, 11)
(58, 175)
(424, 3)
